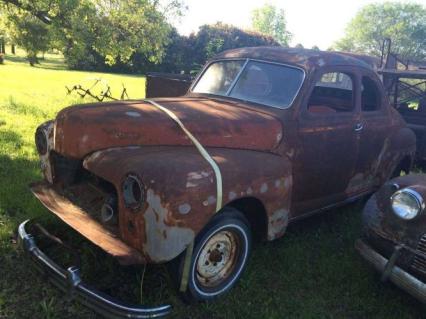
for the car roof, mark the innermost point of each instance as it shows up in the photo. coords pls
(305, 58)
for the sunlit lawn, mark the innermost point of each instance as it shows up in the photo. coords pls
(313, 272)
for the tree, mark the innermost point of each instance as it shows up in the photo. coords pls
(315, 48)
(404, 23)
(29, 33)
(218, 37)
(299, 46)
(91, 33)
(2, 35)
(271, 21)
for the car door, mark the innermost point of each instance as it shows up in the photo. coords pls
(328, 140)
(373, 130)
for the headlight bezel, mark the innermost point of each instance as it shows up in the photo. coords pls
(41, 141)
(133, 191)
(413, 194)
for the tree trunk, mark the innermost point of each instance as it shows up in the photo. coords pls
(32, 59)
(13, 49)
(2, 46)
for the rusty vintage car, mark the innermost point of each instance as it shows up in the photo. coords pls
(263, 137)
(394, 236)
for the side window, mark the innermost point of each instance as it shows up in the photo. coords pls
(333, 93)
(370, 95)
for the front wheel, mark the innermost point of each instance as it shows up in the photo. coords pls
(219, 257)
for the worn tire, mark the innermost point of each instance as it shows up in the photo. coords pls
(226, 233)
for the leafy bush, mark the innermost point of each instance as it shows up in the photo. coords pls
(212, 39)
(181, 53)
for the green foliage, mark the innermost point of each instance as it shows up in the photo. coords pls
(122, 35)
(214, 46)
(212, 39)
(188, 54)
(404, 23)
(271, 21)
(98, 33)
(130, 26)
(28, 32)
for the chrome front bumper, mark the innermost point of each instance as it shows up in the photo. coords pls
(387, 267)
(69, 280)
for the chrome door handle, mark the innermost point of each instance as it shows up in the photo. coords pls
(359, 127)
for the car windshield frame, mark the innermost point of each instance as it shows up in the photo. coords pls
(240, 72)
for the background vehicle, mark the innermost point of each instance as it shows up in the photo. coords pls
(394, 237)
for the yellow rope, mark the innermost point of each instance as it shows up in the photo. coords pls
(202, 151)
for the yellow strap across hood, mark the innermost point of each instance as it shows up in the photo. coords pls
(200, 148)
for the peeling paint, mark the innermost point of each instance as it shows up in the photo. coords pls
(211, 200)
(191, 184)
(163, 242)
(278, 222)
(46, 167)
(279, 137)
(184, 208)
(133, 114)
(264, 188)
(232, 195)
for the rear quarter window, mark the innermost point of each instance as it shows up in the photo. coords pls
(370, 95)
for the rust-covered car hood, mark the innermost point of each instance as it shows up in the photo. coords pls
(82, 129)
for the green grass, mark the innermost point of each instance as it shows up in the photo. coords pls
(312, 272)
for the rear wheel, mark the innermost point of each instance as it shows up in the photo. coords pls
(219, 257)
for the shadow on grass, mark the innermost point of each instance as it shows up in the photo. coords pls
(15, 175)
(16, 58)
(44, 63)
(10, 137)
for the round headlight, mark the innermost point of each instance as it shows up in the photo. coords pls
(133, 192)
(407, 203)
(41, 141)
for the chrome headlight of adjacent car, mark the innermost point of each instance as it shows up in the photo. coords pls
(407, 203)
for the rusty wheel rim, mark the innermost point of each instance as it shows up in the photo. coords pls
(218, 258)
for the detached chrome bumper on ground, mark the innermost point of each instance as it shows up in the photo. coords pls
(70, 281)
(387, 267)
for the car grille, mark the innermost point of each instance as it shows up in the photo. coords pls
(419, 262)
(64, 169)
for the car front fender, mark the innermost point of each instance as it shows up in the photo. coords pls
(180, 192)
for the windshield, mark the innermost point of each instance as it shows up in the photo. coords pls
(260, 82)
